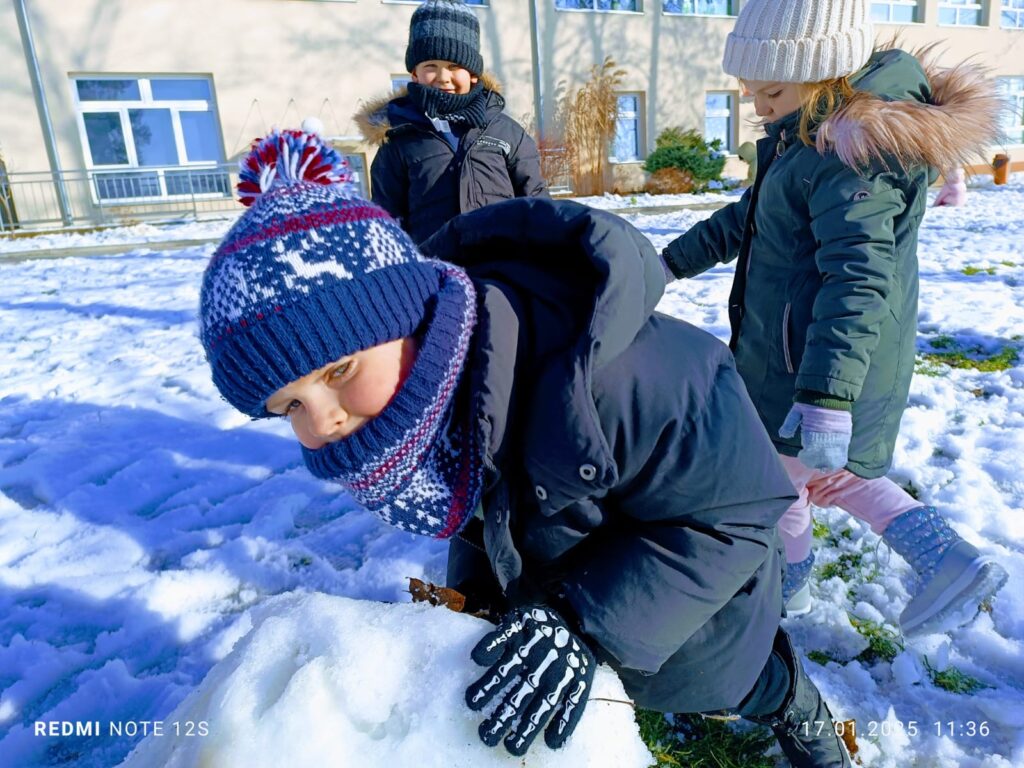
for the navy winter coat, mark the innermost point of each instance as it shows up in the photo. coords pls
(628, 478)
(421, 180)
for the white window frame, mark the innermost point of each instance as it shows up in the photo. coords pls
(637, 117)
(731, 114)
(958, 6)
(1012, 90)
(146, 101)
(891, 4)
(594, 9)
(696, 11)
(1013, 9)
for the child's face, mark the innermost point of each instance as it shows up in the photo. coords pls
(446, 76)
(332, 402)
(774, 100)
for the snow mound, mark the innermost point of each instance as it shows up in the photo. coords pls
(324, 680)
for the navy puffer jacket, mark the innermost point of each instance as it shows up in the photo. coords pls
(629, 480)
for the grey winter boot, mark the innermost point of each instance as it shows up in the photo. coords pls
(804, 725)
(954, 578)
(796, 587)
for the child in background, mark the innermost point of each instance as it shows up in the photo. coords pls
(510, 397)
(446, 146)
(824, 304)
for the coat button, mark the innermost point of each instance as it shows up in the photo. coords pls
(541, 493)
(588, 472)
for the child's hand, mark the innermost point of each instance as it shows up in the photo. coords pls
(554, 672)
(825, 434)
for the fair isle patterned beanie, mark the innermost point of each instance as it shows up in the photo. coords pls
(310, 273)
(799, 41)
(444, 30)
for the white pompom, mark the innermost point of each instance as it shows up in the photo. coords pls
(313, 125)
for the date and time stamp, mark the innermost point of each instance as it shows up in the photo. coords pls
(872, 729)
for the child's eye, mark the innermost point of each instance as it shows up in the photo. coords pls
(342, 370)
(774, 95)
(291, 407)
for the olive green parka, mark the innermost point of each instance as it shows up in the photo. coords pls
(824, 302)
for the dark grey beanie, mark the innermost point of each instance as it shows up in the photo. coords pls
(445, 30)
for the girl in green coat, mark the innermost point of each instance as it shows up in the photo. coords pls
(824, 303)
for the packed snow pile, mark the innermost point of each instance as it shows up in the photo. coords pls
(323, 680)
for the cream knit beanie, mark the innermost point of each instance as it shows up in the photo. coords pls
(799, 41)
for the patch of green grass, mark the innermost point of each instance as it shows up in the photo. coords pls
(1007, 263)
(845, 567)
(819, 530)
(954, 355)
(970, 270)
(692, 741)
(822, 658)
(883, 643)
(953, 680)
(909, 487)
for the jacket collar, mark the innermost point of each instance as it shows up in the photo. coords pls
(617, 282)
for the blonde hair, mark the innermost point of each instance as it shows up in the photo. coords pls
(819, 101)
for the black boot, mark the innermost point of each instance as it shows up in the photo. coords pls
(803, 724)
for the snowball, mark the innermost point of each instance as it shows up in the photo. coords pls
(325, 680)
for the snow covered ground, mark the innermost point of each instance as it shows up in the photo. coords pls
(141, 519)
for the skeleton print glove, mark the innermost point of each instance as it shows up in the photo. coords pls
(552, 670)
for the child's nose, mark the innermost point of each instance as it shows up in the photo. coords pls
(327, 421)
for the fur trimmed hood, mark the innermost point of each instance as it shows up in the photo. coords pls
(372, 116)
(953, 119)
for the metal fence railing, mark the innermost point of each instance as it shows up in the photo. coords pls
(44, 200)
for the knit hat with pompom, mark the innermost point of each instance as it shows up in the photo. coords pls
(311, 273)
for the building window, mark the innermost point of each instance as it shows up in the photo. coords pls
(598, 5)
(626, 145)
(895, 11)
(701, 7)
(720, 119)
(1012, 89)
(151, 137)
(962, 13)
(1012, 14)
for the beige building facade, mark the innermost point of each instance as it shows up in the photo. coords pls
(143, 100)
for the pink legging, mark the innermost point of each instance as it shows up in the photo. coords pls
(877, 502)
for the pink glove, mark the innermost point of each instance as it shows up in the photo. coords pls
(954, 191)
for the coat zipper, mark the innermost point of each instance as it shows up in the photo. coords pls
(785, 338)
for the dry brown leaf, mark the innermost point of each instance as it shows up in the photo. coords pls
(848, 733)
(423, 592)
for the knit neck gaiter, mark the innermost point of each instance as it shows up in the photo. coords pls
(459, 109)
(418, 465)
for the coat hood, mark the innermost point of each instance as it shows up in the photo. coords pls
(372, 117)
(910, 109)
(587, 282)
